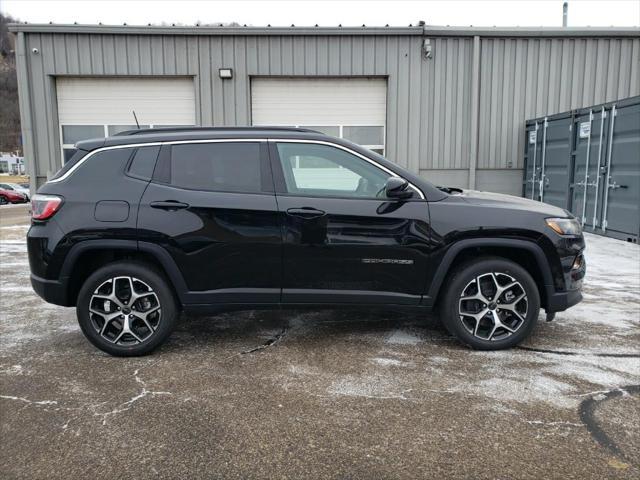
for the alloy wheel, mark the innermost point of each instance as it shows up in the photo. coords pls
(493, 306)
(125, 311)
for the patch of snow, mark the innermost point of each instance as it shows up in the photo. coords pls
(537, 388)
(26, 400)
(13, 370)
(438, 360)
(402, 337)
(373, 386)
(390, 362)
(10, 289)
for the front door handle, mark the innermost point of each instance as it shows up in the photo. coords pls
(305, 212)
(170, 205)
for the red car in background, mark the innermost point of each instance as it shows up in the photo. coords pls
(9, 196)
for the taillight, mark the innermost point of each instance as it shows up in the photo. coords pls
(44, 207)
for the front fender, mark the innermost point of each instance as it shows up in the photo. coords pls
(434, 288)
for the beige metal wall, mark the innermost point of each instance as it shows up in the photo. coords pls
(530, 77)
(456, 118)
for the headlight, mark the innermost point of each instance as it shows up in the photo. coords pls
(565, 226)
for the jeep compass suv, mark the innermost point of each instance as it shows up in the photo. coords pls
(139, 227)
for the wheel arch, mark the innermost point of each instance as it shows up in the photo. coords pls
(86, 256)
(523, 252)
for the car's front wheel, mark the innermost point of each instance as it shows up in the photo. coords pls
(126, 309)
(490, 303)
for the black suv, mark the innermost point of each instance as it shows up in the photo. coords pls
(138, 227)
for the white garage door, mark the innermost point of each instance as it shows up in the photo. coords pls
(99, 107)
(351, 108)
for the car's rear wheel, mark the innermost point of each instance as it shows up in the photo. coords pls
(3, 201)
(126, 309)
(490, 303)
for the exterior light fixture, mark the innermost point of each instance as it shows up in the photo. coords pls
(225, 72)
(427, 48)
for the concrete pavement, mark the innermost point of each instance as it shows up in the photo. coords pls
(322, 394)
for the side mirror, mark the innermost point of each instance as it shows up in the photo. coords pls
(398, 188)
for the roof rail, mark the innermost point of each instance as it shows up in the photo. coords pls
(140, 131)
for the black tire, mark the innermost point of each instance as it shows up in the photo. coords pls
(463, 280)
(144, 276)
(3, 201)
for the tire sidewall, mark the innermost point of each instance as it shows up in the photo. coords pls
(152, 278)
(465, 274)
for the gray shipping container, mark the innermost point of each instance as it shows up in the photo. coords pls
(588, 162)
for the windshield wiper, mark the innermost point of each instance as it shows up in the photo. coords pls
(450, 190)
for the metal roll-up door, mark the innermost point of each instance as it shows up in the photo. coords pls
(99, 107)
(351, 108)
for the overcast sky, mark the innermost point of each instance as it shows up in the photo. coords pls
(328, 12)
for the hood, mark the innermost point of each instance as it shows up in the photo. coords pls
(498, 200)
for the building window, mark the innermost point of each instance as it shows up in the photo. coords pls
(71, 134)
(367, 136)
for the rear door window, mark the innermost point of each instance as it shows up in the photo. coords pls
(219, 166)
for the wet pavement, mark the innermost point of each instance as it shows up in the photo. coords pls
(323, 394)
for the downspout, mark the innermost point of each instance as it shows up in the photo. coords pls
(475, 112)
(24, 102)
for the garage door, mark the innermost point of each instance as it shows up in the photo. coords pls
(98, 107)
(351, 108)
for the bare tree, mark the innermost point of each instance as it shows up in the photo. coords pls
(10, 136)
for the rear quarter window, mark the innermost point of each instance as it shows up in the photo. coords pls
(102, 167)
(69, 163)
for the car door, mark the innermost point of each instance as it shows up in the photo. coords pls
(343, 240)
(211, 205)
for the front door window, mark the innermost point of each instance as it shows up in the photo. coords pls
(325, 171)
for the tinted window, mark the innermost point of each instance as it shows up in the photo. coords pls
(102, 167)
(76, 156)
(144, 162)
(68, 153)
(224, 166)
(322, 170)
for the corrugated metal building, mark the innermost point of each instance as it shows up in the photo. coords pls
(449, 103)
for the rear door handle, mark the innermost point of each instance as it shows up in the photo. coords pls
(169, 205)
(305, 212)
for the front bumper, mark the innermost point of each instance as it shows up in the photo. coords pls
(575, 268)
(560, 301)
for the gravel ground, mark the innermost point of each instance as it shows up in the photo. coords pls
(323, 394)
